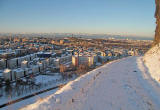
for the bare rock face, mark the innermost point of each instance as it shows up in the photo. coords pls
(157, 16)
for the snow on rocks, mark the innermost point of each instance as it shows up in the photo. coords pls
(152, 62)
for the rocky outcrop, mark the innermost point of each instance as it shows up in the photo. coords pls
(157, 16)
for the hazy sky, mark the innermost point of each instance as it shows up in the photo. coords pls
(131, 17)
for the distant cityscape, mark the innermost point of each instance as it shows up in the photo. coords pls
(31, 63)
(83, 35)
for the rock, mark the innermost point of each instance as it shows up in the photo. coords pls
(157, 16)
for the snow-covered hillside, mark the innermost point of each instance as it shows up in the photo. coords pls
(120, 85)
(152, 62)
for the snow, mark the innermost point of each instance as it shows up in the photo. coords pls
(31, 100)
(46, 79)
(7, 70)
(152, 62)
(124, 84)
(44, 82)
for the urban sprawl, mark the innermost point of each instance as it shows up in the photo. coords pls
(29, 64)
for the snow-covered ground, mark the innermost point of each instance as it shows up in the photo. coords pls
(124, 84)
(45, 81)
(25, 102)
(48, 81)
(152, 61)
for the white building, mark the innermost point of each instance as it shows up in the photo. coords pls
(7, 74)
(35, 69)
(14, 74)
(84, 59)
(3, 63)
(12, 63)
(17, 73)
(24, 64)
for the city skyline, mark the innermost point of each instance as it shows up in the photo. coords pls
(72, 16)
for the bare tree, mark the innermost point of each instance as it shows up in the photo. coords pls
(82, 68)
(62, 68)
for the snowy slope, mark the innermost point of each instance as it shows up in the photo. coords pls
(152, 62)
(120, 85)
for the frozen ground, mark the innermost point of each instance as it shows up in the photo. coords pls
(124, 84)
